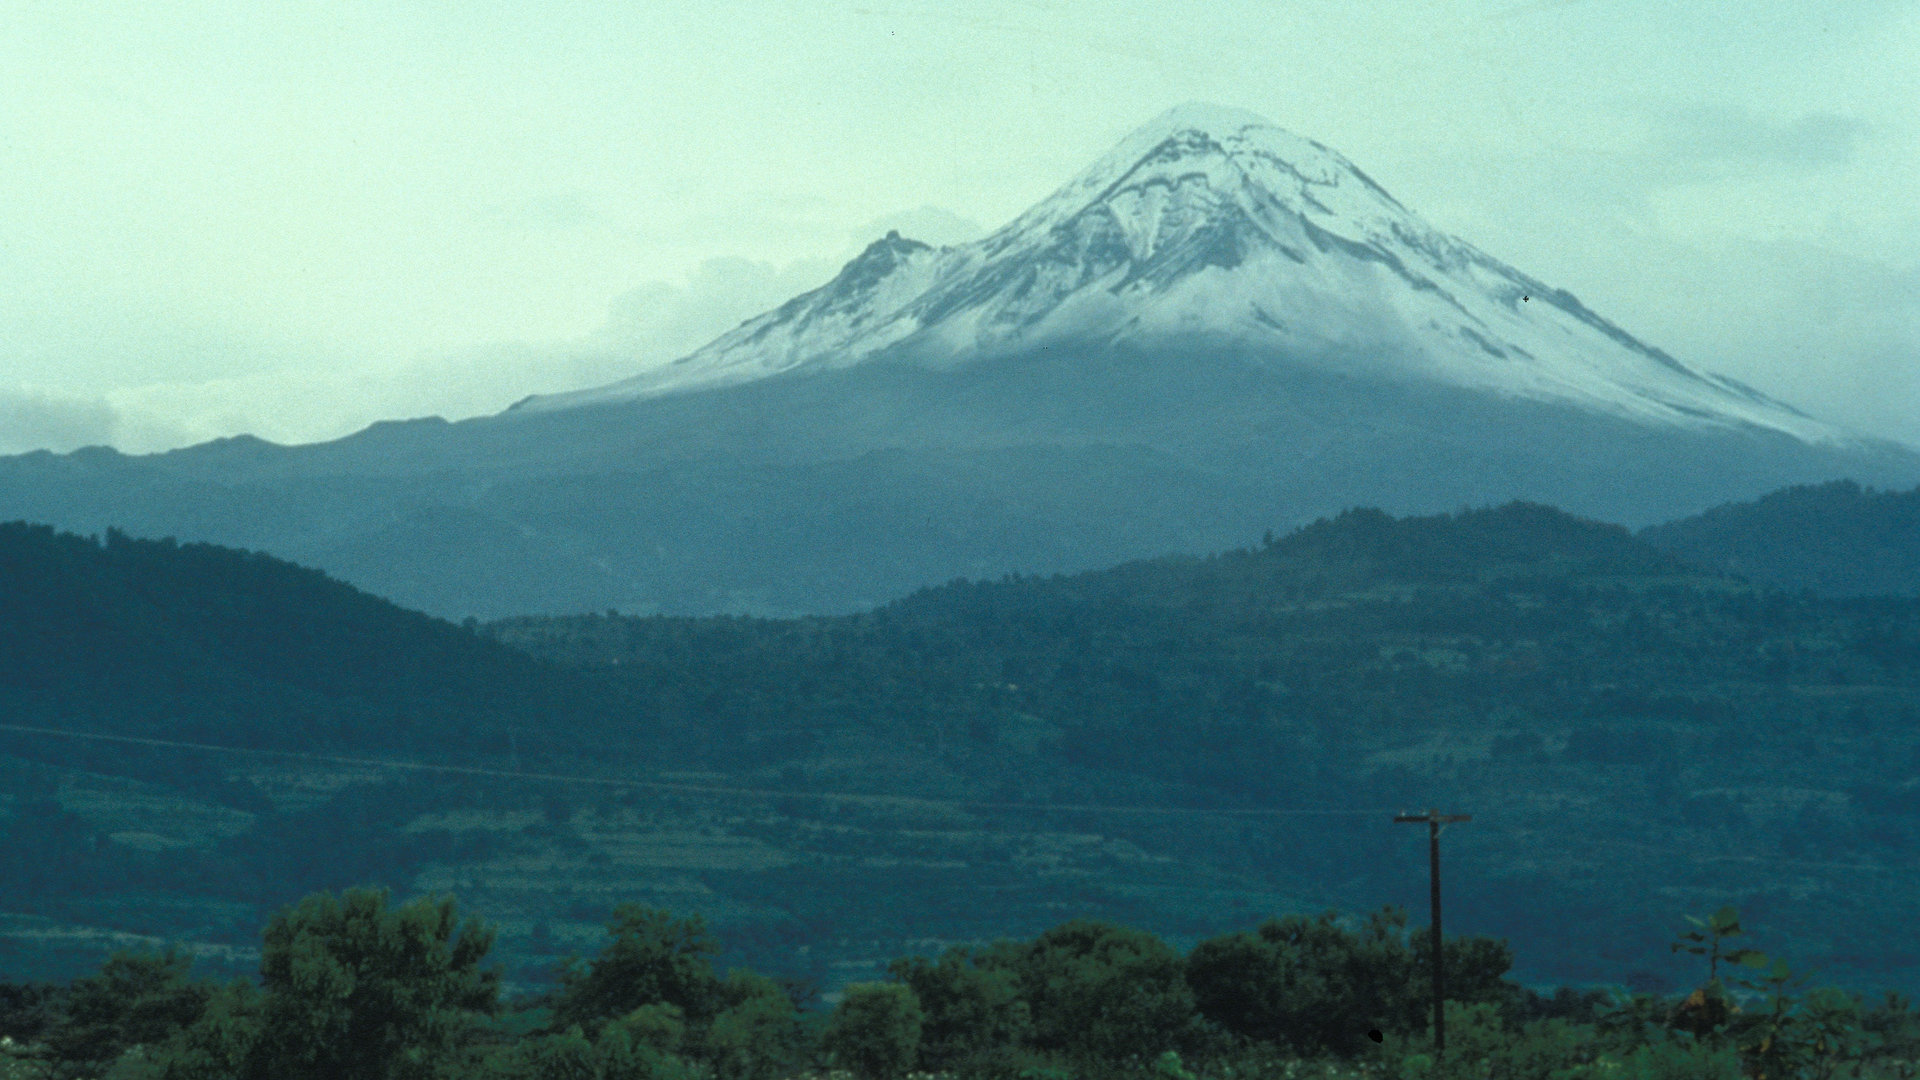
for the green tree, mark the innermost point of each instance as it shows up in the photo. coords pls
(1800, 1037)
(1476, 970)
(564, 1055)
(875, 1030)
(30, 1011)
(1310, 985)
(1709, 938)
(972, 1003)
(653, 958)
(660, 1025)
(1894, 1026)
(1638, 1019)
(643, 1045)
(355, 990)
(220, 1043)
(1105, 993)
(136, 999)
(757, 1035)
(1793, 1037)
(1706, 1012)
(630, 1049)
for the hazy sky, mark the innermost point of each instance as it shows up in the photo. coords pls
(294, 219)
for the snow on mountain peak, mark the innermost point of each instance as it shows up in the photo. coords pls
(1211, 223)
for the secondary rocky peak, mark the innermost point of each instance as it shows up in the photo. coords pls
(882, 257)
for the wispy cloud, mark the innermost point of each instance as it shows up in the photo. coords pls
(651, 324)
(1725, 133)
(33, 420)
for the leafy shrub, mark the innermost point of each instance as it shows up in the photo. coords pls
(137, 998)
(875, 1031)
(653, 958)
(1313, 987)
(1480, 1046)
(358, 991)
(221, 1043)
(1100, 992)
(757, 1035)
(972, 1003)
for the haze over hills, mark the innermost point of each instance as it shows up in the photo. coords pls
(1217, 329)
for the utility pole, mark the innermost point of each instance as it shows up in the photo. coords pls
(1434, 821)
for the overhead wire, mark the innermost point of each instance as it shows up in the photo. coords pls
(875, 799)
(1695, 856)
(676, 787)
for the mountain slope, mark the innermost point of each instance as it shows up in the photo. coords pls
(1212, 226)
(1836, 539)
(1216, 330)
(1636, 739)
(142, 637)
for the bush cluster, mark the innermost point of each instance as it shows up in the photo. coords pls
(354, 987)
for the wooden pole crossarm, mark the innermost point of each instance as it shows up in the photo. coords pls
(1434, 821)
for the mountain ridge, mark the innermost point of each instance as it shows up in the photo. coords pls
(1160, 357)
(1836, 539)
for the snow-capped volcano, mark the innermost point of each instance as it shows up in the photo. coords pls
(1211, 225)
(1217, 330)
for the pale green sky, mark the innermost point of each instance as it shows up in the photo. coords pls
(295, 219)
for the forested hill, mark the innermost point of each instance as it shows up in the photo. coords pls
(1719, 740)
(197, 642)
(1636, 739)
(1358, 550)
(1837, 539)
(1219, 671)
(1330, 573)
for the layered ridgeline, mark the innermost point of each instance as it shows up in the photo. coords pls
(1216, 329)
(1636, 739)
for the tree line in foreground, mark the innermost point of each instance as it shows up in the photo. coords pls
(355, 987)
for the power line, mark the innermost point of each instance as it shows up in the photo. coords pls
(898, 801)
(1533, 835)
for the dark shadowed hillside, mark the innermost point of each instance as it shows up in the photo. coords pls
(150, 637)
(1635, 739)
(1631, 733)
(1838, 539)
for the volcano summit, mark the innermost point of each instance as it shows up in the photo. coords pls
(1217, 329)
(1210, 226)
